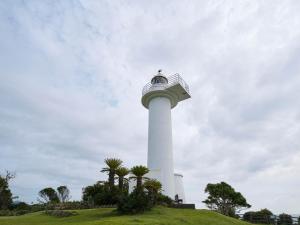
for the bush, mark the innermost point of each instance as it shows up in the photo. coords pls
(163, 200)
(13, 212)
(70, 205)
(100, 194)
(285, 219)
(37, 207)
(136, 202)
(60, 213)
(107, 198)
(20, 206)
(263, 216)
(5, 213)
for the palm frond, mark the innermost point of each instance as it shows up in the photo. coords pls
(113, 163)
(139, 171)
(122, 171)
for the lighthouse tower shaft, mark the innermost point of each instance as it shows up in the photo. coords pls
(160, 96)
(160, 155)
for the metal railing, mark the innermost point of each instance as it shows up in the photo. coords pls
(172, 81)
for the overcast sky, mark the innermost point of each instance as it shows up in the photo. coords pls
(72, 72)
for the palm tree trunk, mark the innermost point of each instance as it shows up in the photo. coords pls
(111, 180)
(139, 183)
(121, 183)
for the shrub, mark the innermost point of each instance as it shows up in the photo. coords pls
(285, 219)
(263, 216)
(100, 194)
(13, 212)
(164, 200)
(21, 212)
(60, 213)
(136, 202)
(20, 206)
(5, 213)
(72, 205)
(37, 207)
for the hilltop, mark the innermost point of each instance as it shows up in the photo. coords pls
(157, 216)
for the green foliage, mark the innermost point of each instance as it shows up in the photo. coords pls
(262, 217)
(13, 212)
(70, 205)
(224, 199)
(122, 172)
(20, 206)
(63, 194)
(163, 200)
(139, 172)
(100, 194)
(154, 188)
(153, 185)
(285, 219)
(60, 213)
(136, 202)
(89, 192)
(6, 198)
(112, 165)
(48, 195)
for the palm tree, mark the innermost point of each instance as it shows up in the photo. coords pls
(139, 172)
(112, 165)
(153, 187)
(122, 172)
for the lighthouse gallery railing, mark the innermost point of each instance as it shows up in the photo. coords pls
(172, 81)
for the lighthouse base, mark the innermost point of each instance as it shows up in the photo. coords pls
(178, 185)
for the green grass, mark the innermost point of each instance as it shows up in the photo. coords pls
(157, 216)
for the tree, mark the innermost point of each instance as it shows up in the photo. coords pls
(264, 216)
(112, 165)
(6, 198)
(285, 219)
(224, 199)
(122, 172)
(139, 172)
(63, 194)
(48, 195)
(93, 195)
(153, 187)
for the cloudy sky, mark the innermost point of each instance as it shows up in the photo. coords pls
(71, 75)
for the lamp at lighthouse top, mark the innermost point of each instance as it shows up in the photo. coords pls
(172, 87)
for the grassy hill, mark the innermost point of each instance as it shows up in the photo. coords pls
(158, 216)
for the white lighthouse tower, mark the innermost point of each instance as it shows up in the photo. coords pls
(159, 97)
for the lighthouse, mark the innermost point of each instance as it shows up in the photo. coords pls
(160, 96)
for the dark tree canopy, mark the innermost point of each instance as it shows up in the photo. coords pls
(285, 219)
(264, 216)
(224, 199)
(48, 195)
(93, 194)
(6, 198)
(63, 194)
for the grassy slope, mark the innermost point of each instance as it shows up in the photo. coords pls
(158, 216)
